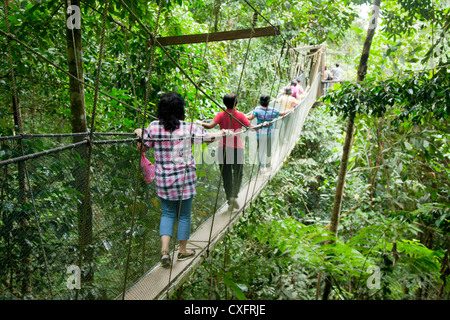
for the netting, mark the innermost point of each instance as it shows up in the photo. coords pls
(79, 222)
(47, 246)
(160, 282)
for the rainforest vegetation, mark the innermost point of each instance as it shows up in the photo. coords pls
(360, 209)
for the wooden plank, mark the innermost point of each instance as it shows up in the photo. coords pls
(218, 36)
(159, 283)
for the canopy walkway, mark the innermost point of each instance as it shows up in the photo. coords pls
(77, 206)
(160, 282)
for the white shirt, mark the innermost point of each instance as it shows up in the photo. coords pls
(336, 72)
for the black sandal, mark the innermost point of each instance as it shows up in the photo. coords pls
(187, 255)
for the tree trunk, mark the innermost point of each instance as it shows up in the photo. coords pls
(217, 6)
(79, 124)
(24, 223)
(362, 70)
(75, 64)
(24, 269)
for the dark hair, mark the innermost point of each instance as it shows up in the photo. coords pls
(298, 79)
(294, 82)
(264, 100)
(337, 64)
(288, 90)
(230, 100)
(171, 110)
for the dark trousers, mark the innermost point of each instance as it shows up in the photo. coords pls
(264, 150)
(231, 164)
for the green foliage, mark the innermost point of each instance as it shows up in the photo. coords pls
(417, 98)
(396, 210)
(279, 251)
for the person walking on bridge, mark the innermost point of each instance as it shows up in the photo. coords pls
(287, 103)
(264, 114)
(231, 148)
(176, 180)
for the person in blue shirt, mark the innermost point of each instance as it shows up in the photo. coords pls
(263, 113)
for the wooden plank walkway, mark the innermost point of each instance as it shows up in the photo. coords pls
(159, 282)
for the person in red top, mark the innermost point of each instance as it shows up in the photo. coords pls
(231, 147)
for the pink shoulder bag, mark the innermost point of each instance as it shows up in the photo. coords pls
(148, 169)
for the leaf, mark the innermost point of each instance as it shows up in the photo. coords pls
(236, 288)
(408, 145)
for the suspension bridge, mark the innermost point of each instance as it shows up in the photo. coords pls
(78, 212)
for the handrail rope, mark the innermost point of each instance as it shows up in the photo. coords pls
(26, 136)
(174, 61)
(26, 46)
(224, 149)
(191, 127)
(130, 71)
(146, 100)
(42, 153)
(58, 149)
(89, 156)
(255, 17)
(17, 110)
(289, 67)
(279, 83)
(138, 160)
(134, 33)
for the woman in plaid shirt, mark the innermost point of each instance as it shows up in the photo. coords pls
(172, 137)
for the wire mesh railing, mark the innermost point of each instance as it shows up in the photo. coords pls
(159, 282)
(58, 243)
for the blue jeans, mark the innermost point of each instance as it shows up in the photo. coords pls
(172, 211)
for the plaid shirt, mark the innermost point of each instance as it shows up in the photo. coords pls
(174, 161)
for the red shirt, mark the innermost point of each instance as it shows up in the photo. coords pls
(223, 120)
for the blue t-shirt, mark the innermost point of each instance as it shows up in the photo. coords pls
(263, 115)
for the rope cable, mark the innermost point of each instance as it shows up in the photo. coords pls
(26, 46)
(147, 93)
(87, 197)
(152, 41)
(19, 126)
